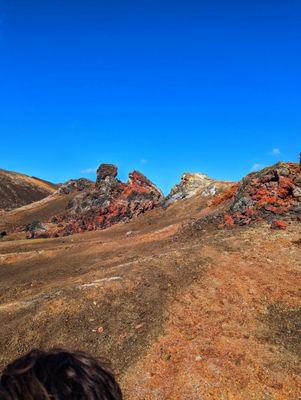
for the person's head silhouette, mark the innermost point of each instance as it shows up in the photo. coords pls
(58, 375)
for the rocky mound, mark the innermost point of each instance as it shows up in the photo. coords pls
(17, 190)
(272, 194)
(100, 205)
(75, 185)
(191, 184)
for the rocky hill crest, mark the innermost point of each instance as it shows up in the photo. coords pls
(101, 204)
(191, 184)
(272, 194)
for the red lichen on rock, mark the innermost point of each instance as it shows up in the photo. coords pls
(224, 195)
(228, 220)
(266, 194)
(279, 224)
(105, 203)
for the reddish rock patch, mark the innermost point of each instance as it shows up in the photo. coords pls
(265, 195)
(103, 204)
(279, 224)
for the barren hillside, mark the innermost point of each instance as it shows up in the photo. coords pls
(17, 190)
(184, 304)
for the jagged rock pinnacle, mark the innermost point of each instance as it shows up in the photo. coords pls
(106, 170)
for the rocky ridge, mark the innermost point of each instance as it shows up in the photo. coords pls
(101, 204)
(272, 194)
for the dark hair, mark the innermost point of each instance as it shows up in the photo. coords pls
(58, 375)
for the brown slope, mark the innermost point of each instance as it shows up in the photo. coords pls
(44, 209)
(207, 315)
(195, 290)
(17, 190)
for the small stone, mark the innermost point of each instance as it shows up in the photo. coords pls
(228, 220)
(196, 386)
(279, 224)
(297, 192)
(99, 330)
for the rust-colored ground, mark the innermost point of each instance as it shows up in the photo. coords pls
(182, 314)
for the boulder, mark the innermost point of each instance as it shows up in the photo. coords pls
(106, 170)
(36, 230)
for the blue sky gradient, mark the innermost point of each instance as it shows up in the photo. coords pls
(159, 86)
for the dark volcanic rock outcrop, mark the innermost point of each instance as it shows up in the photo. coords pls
(272, 194)
(75, 185)
(17, 190)
(106, 171)
(103, 204)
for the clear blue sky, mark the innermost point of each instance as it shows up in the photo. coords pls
(160, 86)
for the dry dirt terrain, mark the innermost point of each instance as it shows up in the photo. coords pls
(41, 210)
(182, 313)
(17, 189)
